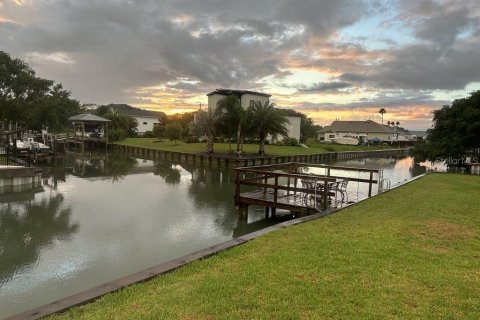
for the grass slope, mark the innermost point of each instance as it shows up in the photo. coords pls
(410, 253)
(248, 148)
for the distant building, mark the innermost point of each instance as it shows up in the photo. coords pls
(418, 134)
(364, 131)
(146, 119)
(247, 98)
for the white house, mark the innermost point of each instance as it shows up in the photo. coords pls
(293, 129)
(364, 131)
(146, 119)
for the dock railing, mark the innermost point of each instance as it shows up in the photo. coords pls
(281, 180)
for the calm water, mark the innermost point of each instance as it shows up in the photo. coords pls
(97, 218)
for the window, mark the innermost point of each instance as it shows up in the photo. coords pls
(331, 136)
(145, 123)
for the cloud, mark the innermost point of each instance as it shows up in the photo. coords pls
(128, 51)
(325, 86)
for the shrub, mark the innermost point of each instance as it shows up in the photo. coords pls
(117, 135)
(149, 134)
(191, 139)
(290, 142)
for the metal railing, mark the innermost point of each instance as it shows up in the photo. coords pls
(15, 157)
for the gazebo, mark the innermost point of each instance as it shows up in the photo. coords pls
(88, 128)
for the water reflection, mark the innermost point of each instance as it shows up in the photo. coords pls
(214, 189)
(111, 166)
(27, 228)
(168, 171)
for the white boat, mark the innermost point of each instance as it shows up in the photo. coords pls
(345, 140)
(29, 144)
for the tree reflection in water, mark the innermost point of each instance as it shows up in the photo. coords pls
(212, 187)
(112, 166)
(167, 171)
(27, 228)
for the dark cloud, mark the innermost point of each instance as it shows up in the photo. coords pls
(444, 28)
(427, 67)
(353, 77)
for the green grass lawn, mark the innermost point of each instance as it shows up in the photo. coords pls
(180, 146)
(410, 253)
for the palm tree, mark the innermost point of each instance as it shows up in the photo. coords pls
(231, 113)
(388, 123)
(265, 119)
(204, 125)
(398, 123)
(382, 111)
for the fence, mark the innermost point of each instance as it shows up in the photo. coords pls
(15, 157)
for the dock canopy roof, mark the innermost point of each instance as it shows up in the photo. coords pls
(87, 117)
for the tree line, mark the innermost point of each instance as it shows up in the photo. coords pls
(455, 132)
(29, 102)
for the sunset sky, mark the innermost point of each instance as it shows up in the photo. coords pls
(329, 59)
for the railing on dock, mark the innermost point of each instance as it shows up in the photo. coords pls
(284, 185)
(15, 157)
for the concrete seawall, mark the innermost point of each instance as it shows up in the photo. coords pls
(18, 179)
(156, 154)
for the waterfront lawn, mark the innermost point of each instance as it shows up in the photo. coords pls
(180, 146)
(410, 253)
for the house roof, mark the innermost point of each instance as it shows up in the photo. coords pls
(367, 126)
(87, 117)
(238, 93)
(127, 110)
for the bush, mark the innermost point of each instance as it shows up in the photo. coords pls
(117, 135)
(149, 134)
(191, 139)
(290, 142)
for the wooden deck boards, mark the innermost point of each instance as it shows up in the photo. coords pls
(295, 202)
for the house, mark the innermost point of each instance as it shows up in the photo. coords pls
(146, 119)
(247, 98)
(364, 131)
(293, 129)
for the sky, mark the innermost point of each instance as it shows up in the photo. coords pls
(342, 59)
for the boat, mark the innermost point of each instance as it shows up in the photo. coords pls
(345, 140)
(30, 145)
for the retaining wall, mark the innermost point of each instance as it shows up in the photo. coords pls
(154, 154)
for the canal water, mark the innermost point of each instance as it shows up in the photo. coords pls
(98, 217)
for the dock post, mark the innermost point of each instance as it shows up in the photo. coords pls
(243, 211)
(267, 211)
(370, 185)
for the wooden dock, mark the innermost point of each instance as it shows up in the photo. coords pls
(286, 186)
